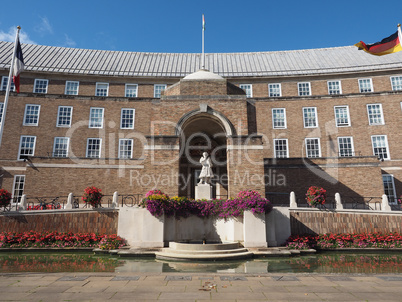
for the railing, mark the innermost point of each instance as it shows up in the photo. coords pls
(130, 200)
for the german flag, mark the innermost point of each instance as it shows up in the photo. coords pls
(386, 46)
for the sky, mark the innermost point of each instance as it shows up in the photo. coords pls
(176, 25)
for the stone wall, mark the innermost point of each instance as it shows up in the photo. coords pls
(76, 221)
(319, 222)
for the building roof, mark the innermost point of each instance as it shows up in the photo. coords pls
(251, 64)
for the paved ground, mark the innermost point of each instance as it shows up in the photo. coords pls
(198, 287)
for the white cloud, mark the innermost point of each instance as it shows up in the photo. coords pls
(69, 42)
(9, 36)
(44, 27)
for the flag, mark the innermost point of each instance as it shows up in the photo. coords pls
(386, 46)
(18, 65)
(203, 22)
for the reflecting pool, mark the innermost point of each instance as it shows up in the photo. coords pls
(87, 262)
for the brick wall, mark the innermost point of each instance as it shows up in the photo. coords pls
(89, 221)
(318, 222)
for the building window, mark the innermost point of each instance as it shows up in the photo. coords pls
(18, 187)
(281, 148)
(248, 88)
(96, 117)
(94, 147)
(31, 116)
(313, 147)
(375, 115)
(64, 115)
(27, 147)
(279, 118)
(102, 89)
(72, 87)
(131, 90)
(342, 118)
(1, 111)
(60, 146)
(365, 85)
(310, 117)
(304, 88)
(274, 90)
(158, 90)
(380, 146)
(4, 81)
(334, 87)
(40, 86)
(127, 118)
(396, 83)
(125, 148)
(389, 188)
(345, 145)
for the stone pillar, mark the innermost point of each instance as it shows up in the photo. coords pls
(22, 205)
(115, 202)
(293, 203)
(270, 229)
(69, 204)
(254, 230)
(339, 205)
(385, 204)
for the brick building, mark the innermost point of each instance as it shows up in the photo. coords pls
(272, 121)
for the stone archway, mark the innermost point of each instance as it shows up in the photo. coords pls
(203, 130)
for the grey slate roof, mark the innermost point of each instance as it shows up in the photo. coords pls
(143, 64)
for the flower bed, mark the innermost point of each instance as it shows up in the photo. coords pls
(341, 241)
(33, 239)
(159, 203)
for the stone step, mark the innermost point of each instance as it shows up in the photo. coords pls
(202, 256)
(207, 252)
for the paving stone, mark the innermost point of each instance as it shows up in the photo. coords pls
(390, 278)
(178, 278)
(73, 278)
(339, 278)
(233, 278)
(285, 278)
(126, 278)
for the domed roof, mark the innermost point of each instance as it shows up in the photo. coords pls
(202, 75)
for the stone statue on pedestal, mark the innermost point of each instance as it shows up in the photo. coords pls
(206, 171)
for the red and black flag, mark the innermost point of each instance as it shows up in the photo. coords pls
(386, 46)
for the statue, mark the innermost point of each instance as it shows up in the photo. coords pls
(206, 171)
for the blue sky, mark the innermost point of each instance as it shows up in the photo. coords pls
(175, 25)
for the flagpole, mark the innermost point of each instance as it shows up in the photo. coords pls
(3, 118)
(400, 34)
(203, 54)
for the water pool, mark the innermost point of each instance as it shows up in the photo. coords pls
(379, 263)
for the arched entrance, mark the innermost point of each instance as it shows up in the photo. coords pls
(203, 131)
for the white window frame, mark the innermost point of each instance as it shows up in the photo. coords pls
(287, 147)
(36, 83)
(14, 197)
(329, 88)
(395, 197)
(66, 90)
(126, 88)
(97, 87)
(284, 119)
(279, 87)
(396, 78)
(20, 145)
(352, 152)
(131, 150)
(92, 122)
(386, 147)
(248, 88)
(4, 82)
(1, 110)
(361, 87)
(24, 123)
(319, 146)
(300, 88)
(121, 118)
(58, 117)
(100, 147)
(158, 94)
(372, 123)
(336, 118)
(305, 120)
(67, 147)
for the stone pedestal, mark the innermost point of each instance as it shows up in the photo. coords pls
(203, 191)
